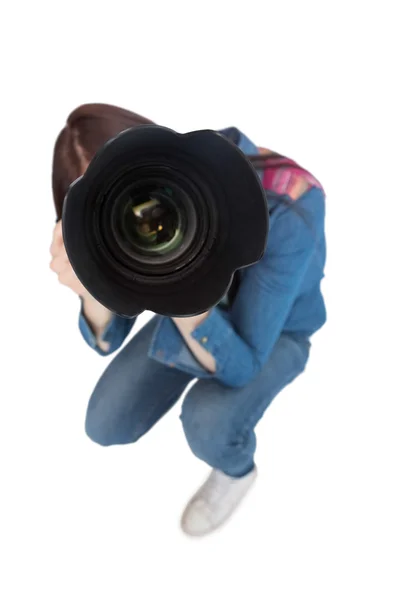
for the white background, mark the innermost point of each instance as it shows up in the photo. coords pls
(315, 81)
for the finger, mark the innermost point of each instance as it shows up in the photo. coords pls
(57, 240)
(59, 263)
(61, 254)
(68, 278)
(58, 250)
(58, 228)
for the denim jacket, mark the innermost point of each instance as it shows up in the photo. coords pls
(278, 295)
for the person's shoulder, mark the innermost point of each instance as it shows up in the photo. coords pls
(297, 224)
(312, 198)
(311, 205)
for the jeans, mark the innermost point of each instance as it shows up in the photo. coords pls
(135, 391)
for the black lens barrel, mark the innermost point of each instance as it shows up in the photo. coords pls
(220, 205)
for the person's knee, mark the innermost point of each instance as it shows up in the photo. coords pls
(110, 434)
(110, 429)
(98, 432)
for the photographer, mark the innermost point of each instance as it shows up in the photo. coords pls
(243, 351)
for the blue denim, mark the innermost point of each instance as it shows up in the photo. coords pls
(135, 391)
(260, 342)
(278, 296)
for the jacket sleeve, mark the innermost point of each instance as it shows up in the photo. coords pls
(241, 341)
(115, 333)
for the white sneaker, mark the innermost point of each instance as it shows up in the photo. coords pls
(215, 501)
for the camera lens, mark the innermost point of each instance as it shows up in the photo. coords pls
(160, 221)
(154, 222)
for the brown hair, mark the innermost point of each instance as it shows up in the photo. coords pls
(87, 129)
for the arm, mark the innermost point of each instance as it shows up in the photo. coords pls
(97, 317)
(186, 327)
(101, 329)
(240, 343)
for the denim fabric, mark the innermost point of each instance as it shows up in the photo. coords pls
(279, 296)
(218, 421)
(115, 333)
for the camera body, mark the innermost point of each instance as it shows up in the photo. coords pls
(160, 221)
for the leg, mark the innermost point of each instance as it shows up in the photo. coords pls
(219, 421)
(133, 393)
(219, 426)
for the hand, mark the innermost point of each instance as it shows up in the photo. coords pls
(97, 314)
(60, 264)
(190, 323)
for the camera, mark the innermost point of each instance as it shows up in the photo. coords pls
(161, 221)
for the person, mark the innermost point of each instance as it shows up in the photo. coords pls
(241, 353)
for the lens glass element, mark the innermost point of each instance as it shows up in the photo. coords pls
(153, 221)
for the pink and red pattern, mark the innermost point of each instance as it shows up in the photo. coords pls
(285, 177)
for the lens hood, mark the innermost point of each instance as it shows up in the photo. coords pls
(223, 194)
